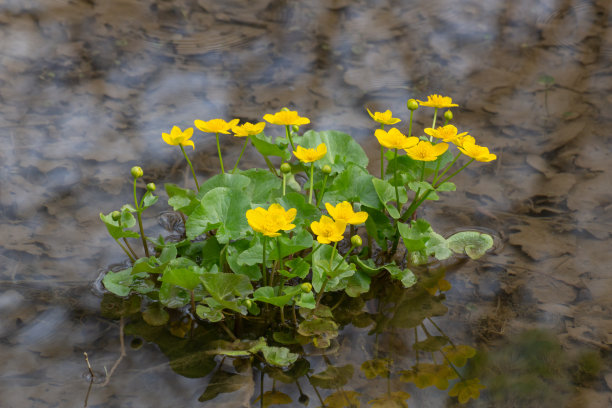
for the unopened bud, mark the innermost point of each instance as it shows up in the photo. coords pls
(151, 187)
(116, 215)
(412, 104)
(285, 168)
(285, 109)
(448, 115)
(306, 287)
(136, 172)
(326, 169)
(295, 128)
(248, 303)
(356, 241)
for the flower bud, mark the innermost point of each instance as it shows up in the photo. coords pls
(304, 400)
(285, 109)
(295, 128)
(448, 115)
(116, 215)
(412, 104)
(151, 187)
(326, 169)
(306, 287)
(356, 241)
(285, 168)
(136, 172)
(248, 303)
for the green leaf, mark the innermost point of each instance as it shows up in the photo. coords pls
(210, 252)
(231, 181)
(420, 186)
(225, 287)
(238, 348)
(148, 265)
(115, 230)
(299, 268)
(118, 282)
(379, 227)
(357, 284)
(173, 296)
(274, 398)
(306, 300)
(301, 240)
(415, 234)
(386, 193)
(181, 199)
(447, 186)
(148, 200)
(354, 184)
(114, 307)
(406, 276)
(183, 277)
(306, 213)
(268, 294)
(223, 209)
(232, 255)
(320, 329)
(168, 253)
(474, 243)
(279, 356)
(321, 268)
(342, 149)
(266, 148)
(209, 314)
(264, 186)
(254, 254)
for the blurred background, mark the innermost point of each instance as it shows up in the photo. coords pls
(88, 86)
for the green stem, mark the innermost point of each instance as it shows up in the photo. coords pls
(284, 184)
(142, 236)
(191, 167)
(343, 258)
(289, 137)
(446, 169)
(125, 250)
(454, 174)
(280, 267)
(410, 124)
(433, 126)
(219, 152)
(241, 153)
(320, 198)
(333, 253)
(397, 202)
(127, 244)
(311, 182)
(263, 265)
(382, 158)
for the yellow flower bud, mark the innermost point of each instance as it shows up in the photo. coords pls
(285, 168)
(356, 241)
(136, 172)
(306, 287)
(412, 104)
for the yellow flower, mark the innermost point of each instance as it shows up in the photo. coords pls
(394, 139)
(462, 139)
(286, 118)
(479, 153)
(310, 155)
(178, 137)
(425, 151)
(216, 125)
(270, 221)
(385, 118)
(328, 230)
(447, 133)
(248, 129)
(344, 212)
(438, 101)
(282, 217)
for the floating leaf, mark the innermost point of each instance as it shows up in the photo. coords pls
(279, 356)
(209, 314)
(474, 243)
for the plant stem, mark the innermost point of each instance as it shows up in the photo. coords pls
(397, 202)
(320, 198)
(382, 157)
(284, 183)
(295, 322)
(446, 169)
(125, 250)
(289, 137)
(410, 124)
(241, 153)
(191, 167)
(433, 126)
(219, 152)
(311, 182)
(454, 174)
(263, 265)
(138, 213)
(130, 247)
(333, 253)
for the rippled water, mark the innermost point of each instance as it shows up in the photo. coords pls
(87, 88)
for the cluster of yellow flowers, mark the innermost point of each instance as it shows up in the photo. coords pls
(424, 150)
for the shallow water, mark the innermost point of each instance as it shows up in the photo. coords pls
(87, 88)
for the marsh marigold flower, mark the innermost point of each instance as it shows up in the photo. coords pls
(469, 147)
(447, 133)
(285, 118)
(438, 101)
(272, 220)
(178, 137)
(384, 118)
(344, 212)
(248, 129)
(328, 230)
(310, 155)
(216, 125)
(425, 151)
(394, 139)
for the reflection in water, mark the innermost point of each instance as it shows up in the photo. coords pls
(87, 87)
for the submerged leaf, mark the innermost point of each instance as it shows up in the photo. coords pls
(274, 398)
(343, 399)
(333, 377)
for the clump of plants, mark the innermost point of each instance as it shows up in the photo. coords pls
(267, 258)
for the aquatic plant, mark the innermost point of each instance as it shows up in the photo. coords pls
(253, 247)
